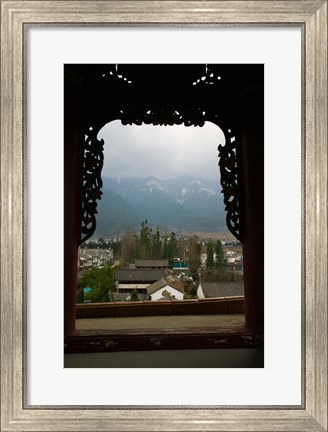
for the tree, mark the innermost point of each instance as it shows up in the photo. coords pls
(193, 256)
(219, 255)
(101, 244)
(210, 257)
(156, 246)
(133, 295)
(80, 296)
(172, 247)
(100, 280)
(165, 247)
(145, 240)
(129, 246)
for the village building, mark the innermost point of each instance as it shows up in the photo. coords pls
(138, 279)
(152, 263)
(179, 264)
(88, 258)
(235, 265)
(169, 288)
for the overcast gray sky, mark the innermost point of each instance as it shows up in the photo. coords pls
(161, 151)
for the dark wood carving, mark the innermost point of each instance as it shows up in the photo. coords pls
(138, 112)
(97, 341)
(92, 182)
(229, 182)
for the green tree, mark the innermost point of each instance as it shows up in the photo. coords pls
(156, 245)
(129, 247)
(145, 241)
(100, 280)
(210, 253)
(101, 244)
(80, 296)
(134, 295)
(172, 247)
(219, 255)
(193, 256)
(165, 247)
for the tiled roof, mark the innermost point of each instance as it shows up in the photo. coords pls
(152, 263)
(162, 283)
(139, 275)
(222, 289)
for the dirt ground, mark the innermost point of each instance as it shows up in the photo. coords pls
(155, 322)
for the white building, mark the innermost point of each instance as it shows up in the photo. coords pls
(165, 290)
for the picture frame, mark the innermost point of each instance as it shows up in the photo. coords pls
(311, 17)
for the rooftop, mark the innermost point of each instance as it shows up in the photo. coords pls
(222, 289)
(139, 275)
(164, 282)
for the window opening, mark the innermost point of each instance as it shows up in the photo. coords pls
(162, 211)
(231, 97)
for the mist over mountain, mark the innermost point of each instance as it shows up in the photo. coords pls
(183, 203)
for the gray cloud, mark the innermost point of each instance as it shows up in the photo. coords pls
(162, 152)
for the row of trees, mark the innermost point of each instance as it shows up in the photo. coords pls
(215, 255)
(148, 244)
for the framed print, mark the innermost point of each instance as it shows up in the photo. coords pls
(41, 44)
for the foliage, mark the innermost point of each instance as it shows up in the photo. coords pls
(133, 295)
(156, 247)
(219, 274)
(172, 247)
(100, 280)
(219, 255)
(129, 246)
(145, 241)
(99, 244)
(193, 256)
(210, 255)
(80, 296)
(192, 294)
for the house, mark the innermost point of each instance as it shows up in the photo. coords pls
(166, 289)
(89, 258)
(220, 289)
(235, 265)
(127, 280)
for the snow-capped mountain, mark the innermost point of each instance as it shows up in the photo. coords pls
(196, 189)
(184, 202)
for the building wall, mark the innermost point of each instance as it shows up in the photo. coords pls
(159, 294)
(132, 286)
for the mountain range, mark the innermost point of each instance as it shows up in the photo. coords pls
(183, 203)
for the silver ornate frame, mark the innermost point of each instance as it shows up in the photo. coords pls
(309, 15)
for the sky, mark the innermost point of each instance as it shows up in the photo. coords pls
(164, 152)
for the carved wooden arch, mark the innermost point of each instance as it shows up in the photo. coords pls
(164, 116)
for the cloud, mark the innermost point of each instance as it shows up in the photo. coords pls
(161, 151)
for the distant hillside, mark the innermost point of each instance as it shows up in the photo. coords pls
(185, 202)
(115, 215)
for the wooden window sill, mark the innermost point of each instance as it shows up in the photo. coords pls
(99, 341)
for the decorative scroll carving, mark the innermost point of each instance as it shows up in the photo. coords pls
(189, 116)
(114, 76)
(209, 78)
(92, 182)
(163, 116)
(229, 183)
